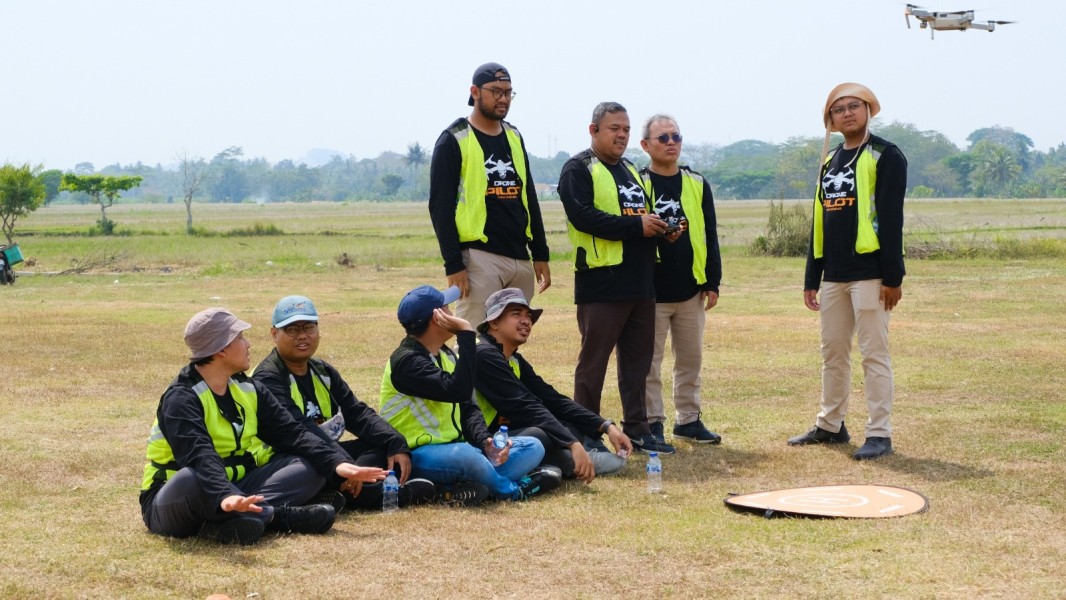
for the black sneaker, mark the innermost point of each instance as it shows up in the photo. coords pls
(331, 497)
(314, 518)
(463, 493)
(540, 480)
(697, 432)
(658, 429)
(648, 443)
(417, 491)
(873, 448)
(238, 530)
(817, 435)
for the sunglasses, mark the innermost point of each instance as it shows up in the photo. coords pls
(666, 137)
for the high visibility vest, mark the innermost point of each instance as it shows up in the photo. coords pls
(605, 197)
(421, 421)
(692, 205)
(483, 403)
(470, 210)
(322, 385)
(865, 179)
(241, 450)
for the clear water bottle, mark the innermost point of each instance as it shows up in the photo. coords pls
(499, 440)
(390, 493)
(655, 473)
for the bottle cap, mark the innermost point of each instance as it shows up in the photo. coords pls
(653, 455)
(391, 472)
(503, 428)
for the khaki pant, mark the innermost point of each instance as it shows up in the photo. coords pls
(685, 322)
(489, 273)
(848, 309)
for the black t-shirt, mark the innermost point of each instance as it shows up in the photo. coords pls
(674, 281)
(306, 385)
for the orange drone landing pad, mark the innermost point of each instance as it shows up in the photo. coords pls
(840, 501)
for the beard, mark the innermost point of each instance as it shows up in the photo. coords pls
(490, 113)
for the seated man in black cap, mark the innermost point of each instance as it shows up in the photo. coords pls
(226, 459)
(293, 374)
(511, 393)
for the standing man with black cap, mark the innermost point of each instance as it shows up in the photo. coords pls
(857, 251)
(483, 203)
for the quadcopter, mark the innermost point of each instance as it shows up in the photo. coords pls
(959, 20)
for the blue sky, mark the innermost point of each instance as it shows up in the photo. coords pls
(122, 80)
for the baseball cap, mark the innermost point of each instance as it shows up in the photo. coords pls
(418, 305)
(293, 308)
(486, 73)
(499, 301)
(211, 330)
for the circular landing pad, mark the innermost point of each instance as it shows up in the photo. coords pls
(836, 501)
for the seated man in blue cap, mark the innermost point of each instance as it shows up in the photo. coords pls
(427, 394)
(293, 375)
(227, 460)
(511, 393)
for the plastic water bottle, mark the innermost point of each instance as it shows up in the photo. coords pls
(499, 440)
(655, 473)
(390, 496)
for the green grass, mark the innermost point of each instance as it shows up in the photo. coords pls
(979, 417)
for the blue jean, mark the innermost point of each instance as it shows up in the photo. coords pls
(449, 463)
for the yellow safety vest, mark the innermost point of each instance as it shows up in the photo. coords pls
(421, 421)
(470, 210)
(483, 403)
(240, 452)
(598, 251)
(692, 204)
(322, 384)
(865, 179)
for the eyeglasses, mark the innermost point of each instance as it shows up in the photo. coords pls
(498, 93)
(850, 106)
(296, 329)
(666, 137)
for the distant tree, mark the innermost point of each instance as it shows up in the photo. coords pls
(392, 183)
(193, 171)
(797, 171)
(104, 189)
(51, 179)
(21, 192)
(416, 156)
(995, 168)
(84, 168)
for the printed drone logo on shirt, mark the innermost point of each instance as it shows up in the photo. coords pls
(837, 202)
(502, 168)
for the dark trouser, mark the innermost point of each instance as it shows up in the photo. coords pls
(365, 455)
(181, 507)
(628, 326)
(559, 456)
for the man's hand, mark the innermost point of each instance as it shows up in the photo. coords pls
(356, 476)
(710, 300)
(400, 463)
(810, 298)
(619, 440)
(891, 296)
(450, 323)
(237, 503)
(496, 456)
(544, 275)
(462, 281)
(653, 225)
(583, 467)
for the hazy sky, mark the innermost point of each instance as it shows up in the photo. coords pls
(108, 81)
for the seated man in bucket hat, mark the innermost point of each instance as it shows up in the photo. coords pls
(511, 393)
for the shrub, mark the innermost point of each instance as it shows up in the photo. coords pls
(788, 231)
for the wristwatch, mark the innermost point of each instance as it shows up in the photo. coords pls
(606, 425)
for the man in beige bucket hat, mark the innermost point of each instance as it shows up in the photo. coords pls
(855, 259)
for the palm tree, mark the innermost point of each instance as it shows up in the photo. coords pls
(416, 157)
(995, 169)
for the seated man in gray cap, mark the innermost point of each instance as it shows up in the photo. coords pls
(511, 393)
(427, 394)
(294, 375)
(226, 460)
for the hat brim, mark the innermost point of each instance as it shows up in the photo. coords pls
(295, 319)
(535, 313)
(451, 294)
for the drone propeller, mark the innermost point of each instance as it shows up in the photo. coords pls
(1002, 22)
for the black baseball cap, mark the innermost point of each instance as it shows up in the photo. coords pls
(487, 73)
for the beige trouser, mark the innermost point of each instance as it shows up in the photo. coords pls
(848, 309)
(489, 273)
(685, 322)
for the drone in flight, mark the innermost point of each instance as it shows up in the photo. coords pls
(959, 20)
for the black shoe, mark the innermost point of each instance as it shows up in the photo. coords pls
(659, 431)
(873, 448)
(817, 435)
(314, 518)
(463, 493)
(238, 530)
(331, 497)
(540, 480)
(417, 491)
(697, 432)
(648, 443)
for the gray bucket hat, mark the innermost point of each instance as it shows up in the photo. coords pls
(500, 300)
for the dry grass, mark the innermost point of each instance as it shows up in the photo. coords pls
(980, 415)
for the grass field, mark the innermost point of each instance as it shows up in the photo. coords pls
(980, 417)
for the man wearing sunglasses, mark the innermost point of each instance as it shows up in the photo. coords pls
(483, 203)
(294, 376)
(686, 279)
(856, 258)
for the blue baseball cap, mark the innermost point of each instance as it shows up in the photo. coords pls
(418, 305)
(291, 309)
